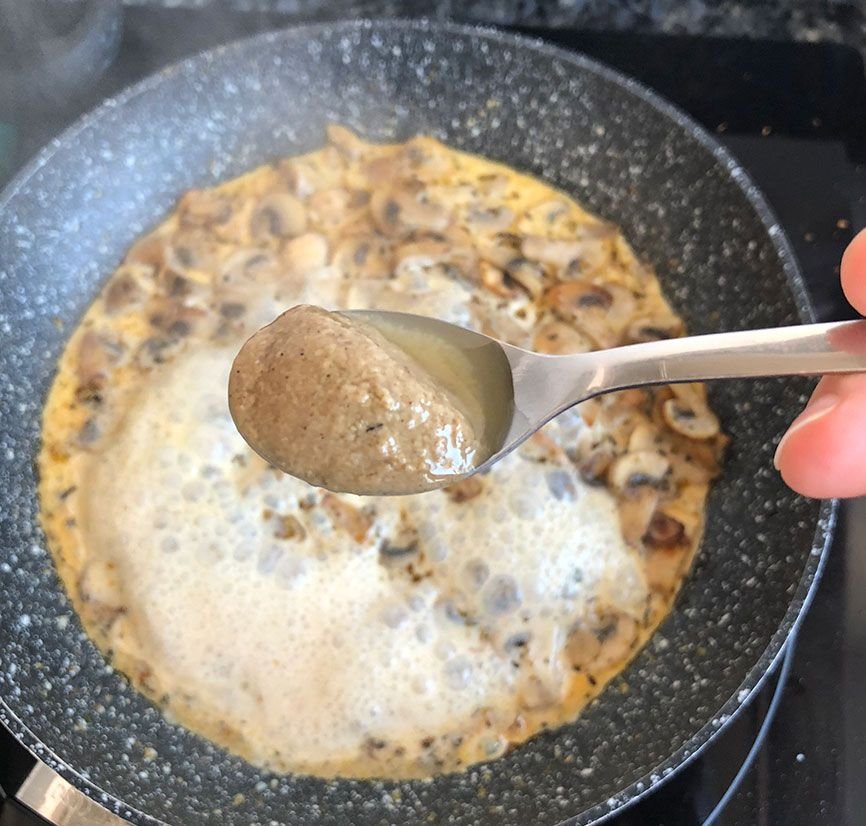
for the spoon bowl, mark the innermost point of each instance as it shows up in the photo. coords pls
(519, 391)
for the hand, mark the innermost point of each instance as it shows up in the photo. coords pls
(823, 454)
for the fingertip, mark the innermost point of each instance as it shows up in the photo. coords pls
(823, 455)
(853, 272)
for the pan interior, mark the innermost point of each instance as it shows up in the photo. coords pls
(66, 222)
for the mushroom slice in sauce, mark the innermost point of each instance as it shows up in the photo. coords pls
(278, 215)
(559, 339)
(347, 142)
(695, 422)
(364, 256)
(635, 470)
(654, 328)
(591, 307)
(306, 253)
(400, 211)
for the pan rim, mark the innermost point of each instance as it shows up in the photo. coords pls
(802, 595)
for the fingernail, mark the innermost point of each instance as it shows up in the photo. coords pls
(812, 413)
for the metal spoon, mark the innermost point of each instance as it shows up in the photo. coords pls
(522, 390)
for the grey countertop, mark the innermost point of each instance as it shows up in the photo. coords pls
(837, 20)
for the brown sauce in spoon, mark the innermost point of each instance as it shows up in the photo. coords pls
(331, 400)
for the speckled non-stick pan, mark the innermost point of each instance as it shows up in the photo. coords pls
(685, 205)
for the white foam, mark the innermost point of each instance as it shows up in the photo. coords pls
(307, 644)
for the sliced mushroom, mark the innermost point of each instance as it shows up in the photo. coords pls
(633, 470)
(585, 305)
(493, 185)
(157, 350)
(623, 306)
(289, 527)
(398, 551)
(687, 508)
(174, 318)
(195, 254)
(617, 633)
(539, 447)
(204, 208)
(600, 311)
(632, 397)
(618, 421)
(278, 215)
(558, 338)
(636, 508)
(232, 310)
(499, 250)
(663, 568)
(346, 141)
(593, 456)
(482, 220)
(249, 266)
(233, 228)
(667, 552)
(100, 593)
(455, 261)
(691, 393)
(305, 176)
(685, 469)
(332, 209)
(654, 328)
(692, 460)
(706, 454)
(591, 409)
(528, 274)
(346, 517)
(697, 422)
(381, 172)
(643, 437)
(427, 159)
(365, 256)
(536, 694)
(494, 279)
(400, 211)
(513, 326)
(459, 195)
(664, 532)
(582, 648)
(577, 296)
(96, 355)
(124, 289)
(465, 489)
(403, 546)
(99, 581)
(151, 250)
(549, 217)
(306, 253)
(555, 252)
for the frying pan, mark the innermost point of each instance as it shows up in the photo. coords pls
(682, 201)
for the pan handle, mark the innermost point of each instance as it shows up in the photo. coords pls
(60, 803)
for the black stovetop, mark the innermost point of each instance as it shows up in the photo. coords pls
(795, 116)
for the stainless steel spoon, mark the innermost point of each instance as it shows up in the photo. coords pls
(532, 388)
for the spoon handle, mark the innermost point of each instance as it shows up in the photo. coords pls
(808, 349)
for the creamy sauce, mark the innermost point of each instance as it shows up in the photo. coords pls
(472, 369)
(367, 403)
(327, 398)
(367, 636)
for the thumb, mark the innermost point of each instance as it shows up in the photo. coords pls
(823, 454)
